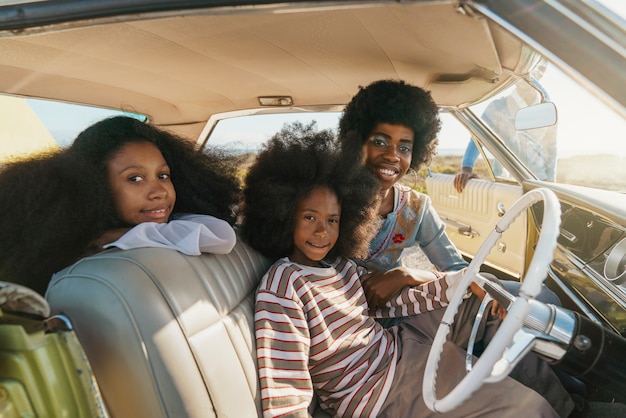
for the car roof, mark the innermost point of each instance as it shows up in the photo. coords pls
(181, 66)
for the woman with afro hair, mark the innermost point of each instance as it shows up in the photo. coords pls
(118, 174)
(392, 126)
(310, 211)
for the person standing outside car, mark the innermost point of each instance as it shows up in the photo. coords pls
(536, 148)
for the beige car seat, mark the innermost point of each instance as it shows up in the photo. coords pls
(168, 335)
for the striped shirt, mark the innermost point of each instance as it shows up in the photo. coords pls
(314, 333)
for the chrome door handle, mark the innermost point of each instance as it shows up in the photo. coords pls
(501, 209)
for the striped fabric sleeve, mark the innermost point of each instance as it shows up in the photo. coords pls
(283, 343)
(425, 297)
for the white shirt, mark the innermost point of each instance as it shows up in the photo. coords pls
(190, 234)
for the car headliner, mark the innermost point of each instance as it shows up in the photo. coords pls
(181, 68)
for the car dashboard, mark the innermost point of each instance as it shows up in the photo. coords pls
(589, 263)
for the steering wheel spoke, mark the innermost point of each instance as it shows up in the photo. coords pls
(523, 342)
(469, 356)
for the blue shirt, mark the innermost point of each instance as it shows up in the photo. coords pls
(413, 221)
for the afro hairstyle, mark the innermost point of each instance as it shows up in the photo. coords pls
(289, 166)
(397, 103)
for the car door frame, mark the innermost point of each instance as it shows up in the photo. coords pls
(472, 214)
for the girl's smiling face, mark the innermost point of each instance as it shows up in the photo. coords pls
(388, 152)
(141, 188)
(316, 226)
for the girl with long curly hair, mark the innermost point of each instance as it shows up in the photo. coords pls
(118, 174)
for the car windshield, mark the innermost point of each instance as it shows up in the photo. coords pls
(585, 147)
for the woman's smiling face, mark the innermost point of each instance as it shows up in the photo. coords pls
(139, 179)
(388, 151)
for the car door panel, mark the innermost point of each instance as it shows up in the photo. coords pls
(471, 215)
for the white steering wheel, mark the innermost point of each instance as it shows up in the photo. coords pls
(494, 364)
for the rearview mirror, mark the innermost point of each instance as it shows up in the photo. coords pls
(536, 116)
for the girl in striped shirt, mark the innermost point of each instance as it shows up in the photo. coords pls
(315, 334)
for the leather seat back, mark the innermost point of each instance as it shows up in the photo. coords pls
(168, 335)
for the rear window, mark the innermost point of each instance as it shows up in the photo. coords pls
(33, 125)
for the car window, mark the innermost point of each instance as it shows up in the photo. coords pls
(452, 142)
(246, 134)
(36, 125)
(535, 148)
(586, 146)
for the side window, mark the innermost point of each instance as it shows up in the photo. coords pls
(454, 139)
(457, 148)
(33, 125)
(585, 147)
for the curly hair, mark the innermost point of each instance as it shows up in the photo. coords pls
(394, 102)
(54, 205)
(205, 182)
(290, 165)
